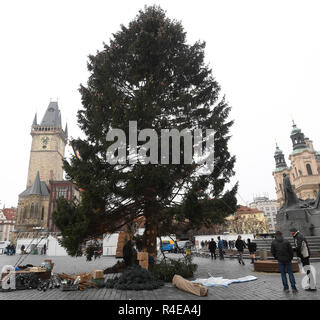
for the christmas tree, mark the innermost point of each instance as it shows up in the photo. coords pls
(149, 74)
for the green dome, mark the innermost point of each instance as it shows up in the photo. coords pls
(278, 151)
(295, 129)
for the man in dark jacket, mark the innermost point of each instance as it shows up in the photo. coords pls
(303, 252)
(212, 249)
(282, 251)
(240, 245)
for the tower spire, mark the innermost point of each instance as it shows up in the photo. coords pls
(279, 158)
(66, 130)
(297, 137)
(35, 120)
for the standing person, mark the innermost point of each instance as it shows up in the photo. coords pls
(225, 244)
(22, 249)
(44, 249)
(252, 247)
(212, 249)
(220, 247)
(303, 252)
(282, 251)
(240, 245)
(202, 244)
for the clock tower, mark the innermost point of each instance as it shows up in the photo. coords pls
(48, 146)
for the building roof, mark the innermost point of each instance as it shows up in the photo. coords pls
(10, 213)
(52, 117)
(247, 210)
(301, 150)
(38, 188)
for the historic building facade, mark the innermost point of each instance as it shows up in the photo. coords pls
(45, 173)
(304, 172)
(269, 207)
(7, 222)
(247, 221)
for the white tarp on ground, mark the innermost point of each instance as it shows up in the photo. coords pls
(220, 281)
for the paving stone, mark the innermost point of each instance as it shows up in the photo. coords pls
(266, 287)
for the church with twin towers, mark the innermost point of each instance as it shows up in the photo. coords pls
(304, 169)
(45, 183)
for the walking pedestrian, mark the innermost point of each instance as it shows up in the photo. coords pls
(202, 244)
(220, 247)
(303, 252)
(44, 249)
(282, 251)
(252, 247)
(212, 249)
(240, 245)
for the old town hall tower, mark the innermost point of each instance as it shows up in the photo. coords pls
(45, 165)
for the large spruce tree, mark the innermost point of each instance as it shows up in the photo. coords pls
(150, 74)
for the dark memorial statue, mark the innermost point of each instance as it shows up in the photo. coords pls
(291, 199)
(301, 214)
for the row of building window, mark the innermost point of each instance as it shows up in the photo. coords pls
(33, 212)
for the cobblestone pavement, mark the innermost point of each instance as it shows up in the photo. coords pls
(266, 287)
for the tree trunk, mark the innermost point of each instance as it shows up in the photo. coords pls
(150, 236)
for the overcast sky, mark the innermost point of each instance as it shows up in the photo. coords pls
(264, 54)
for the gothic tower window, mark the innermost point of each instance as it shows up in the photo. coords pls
(24, 212)
(309, 169)
(42, 213)
(36, 211)
(32, 210)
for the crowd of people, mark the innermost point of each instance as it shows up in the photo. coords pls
(10, 250)
(222, 245)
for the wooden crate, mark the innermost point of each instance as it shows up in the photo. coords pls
(98, 274)
(272, 266)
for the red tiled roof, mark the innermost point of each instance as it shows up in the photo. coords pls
(10, 213)
(244, 210)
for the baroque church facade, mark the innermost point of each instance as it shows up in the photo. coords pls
(45, 182)
(304, 171)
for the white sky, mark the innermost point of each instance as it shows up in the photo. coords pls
(264, 54)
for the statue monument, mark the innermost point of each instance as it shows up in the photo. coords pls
(301, 214)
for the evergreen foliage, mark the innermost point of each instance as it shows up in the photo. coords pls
(135, 278)
(167, 268)
(147, 72)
